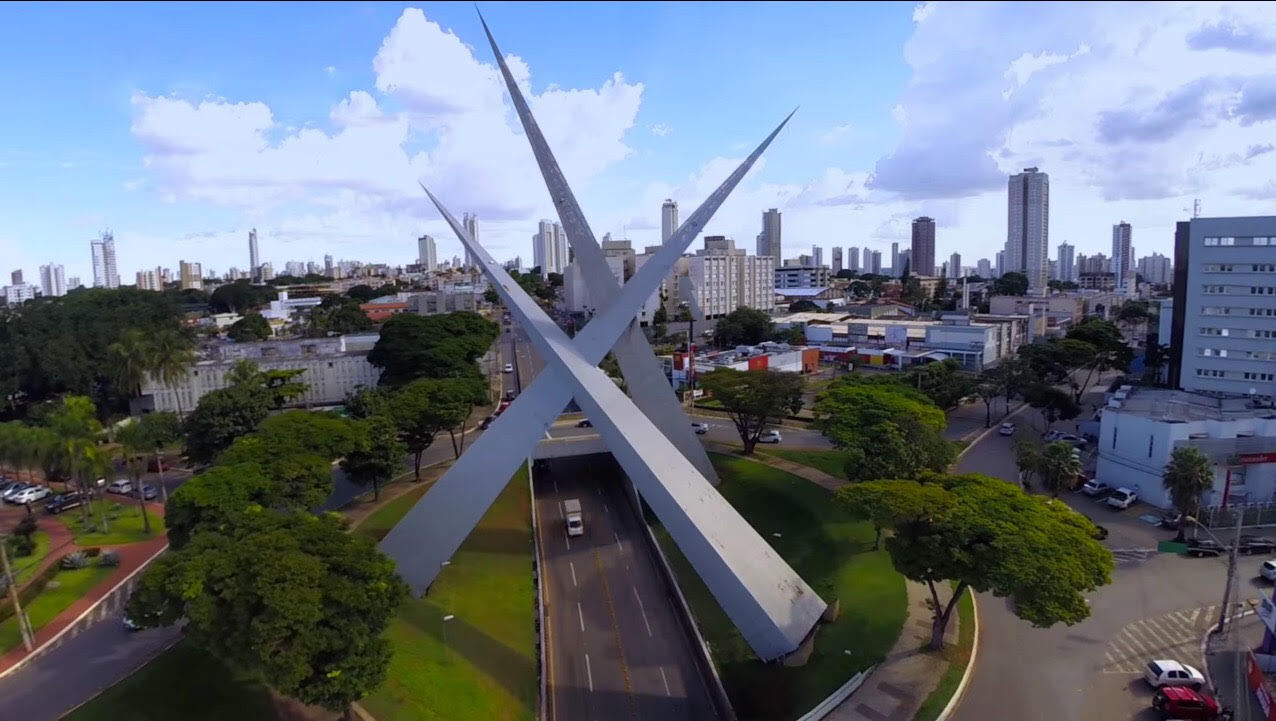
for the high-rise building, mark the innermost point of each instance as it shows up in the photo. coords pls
(873, 261)
(895, 266)
(853, 258)
(295, 268)
(18, 293)
(73, 283)
(1122, 253)
(426, 254)
(549, 248)
(327, 265)
(1155, 269)
(817, 252)
(16, 277)
(837, 259)
(191, 275)
(668, 219)
(769, 239)
(104, 272)
(923, 255)
(624, 250)
(723, 278)
(954, 265)
(470, 221)
(53, 280)
(267, 271)
(254, 260)
(1067, 270)
(1028, 227)
(1224, 308)
(905, 261)
(983, 268)
(1001, 263)
(148, 280)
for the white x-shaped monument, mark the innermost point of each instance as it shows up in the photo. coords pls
(771, 605)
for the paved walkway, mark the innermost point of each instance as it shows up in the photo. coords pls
(814, 475)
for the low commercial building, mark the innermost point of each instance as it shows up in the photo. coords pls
(285, 307)
(1141, 427)
(822, 297)
(766, 356)
(975, 344)
(802, 276)
(334, 368)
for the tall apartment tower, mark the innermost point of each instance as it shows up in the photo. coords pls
(470, 221)
(923, 255)
(954, 265)
(327, 265)
(769, 239)
(191, 275)
(873, 261)
(668, 219)
(426, 254)
(837, 259)
(104, 271)
(254, 258)
(15, 277)
(53, 280)
(1028, 227)
(817, 253)
(895, 260)
(1122, 253)
(853, 258)
(1067, 263)
(549, 248)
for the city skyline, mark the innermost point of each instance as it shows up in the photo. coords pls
(848, 173)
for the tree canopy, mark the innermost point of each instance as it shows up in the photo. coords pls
(240, 297)
(987, 535)
(426, 407)
(1187, 477)
(754, 400)
(251, 327)
(944, 382)
(887, 429)
(743, 326)
(375, 454)
(337, 317)
(415, 346)
(1012, 283)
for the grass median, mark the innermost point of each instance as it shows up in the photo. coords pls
(831, 462)
(958, 657)
(63, 590)
(124, 521)
(481, 663)
(834, 555)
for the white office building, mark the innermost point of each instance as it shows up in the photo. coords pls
(724, 278)
(427, 254)
(18, 293)
(549, 248)
(954, 266)
(873, 261)
(105, 274)
(53, 280)
(1028, 227)
(148, 280)
(254, 258)
(1156, 269)
(1122, 254)
(802, 276)
(1066, 266)
(983, 268)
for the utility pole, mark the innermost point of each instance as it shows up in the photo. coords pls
(159, 466)
(1231, 572)
(24, 623)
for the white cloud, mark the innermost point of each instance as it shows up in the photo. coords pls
(331, 70)
(661, 130)
(923, 11)
(835, 135)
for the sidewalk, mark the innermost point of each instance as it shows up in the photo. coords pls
(1227, 669)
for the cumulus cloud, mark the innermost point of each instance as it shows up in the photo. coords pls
(835, 135)
(1229, 34)
(660, 130)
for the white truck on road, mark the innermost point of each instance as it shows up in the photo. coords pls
(575, 519)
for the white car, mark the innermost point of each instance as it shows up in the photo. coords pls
(122, 486)
(1268, 570)
(1094, 487)
(30, 494)
(1122, 498)
(509, 367)
(699, 428)
(1172, 673)
(14, 490)
(1007, 429)
(771, 436)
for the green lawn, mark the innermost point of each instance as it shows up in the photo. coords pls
(834, 556)
(484, 668)
(184, 683)
(24, 568)
(125, 523)
(958, 656)
(831, 462)
(62, 591)
(379, 523)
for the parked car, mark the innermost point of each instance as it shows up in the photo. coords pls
(149, 493)
(7, 484)
(1095, 487)
(770, 436)
(509, 367)
(1122, 498)
(1165, 672)
(1185, 704)
(699, 428)
(1268, 570)
(122, 486)
(1170, 521)
(1007, 429)
(1256, 544)
(487, 422)
(585, 423)
(30, 494)
(64, 502)
(1202, 547)
(14, 490)
(501, 408)
(509, 394)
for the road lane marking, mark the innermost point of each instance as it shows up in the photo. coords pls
(589, 673)
(573, 567)
(615, 631)
(662, 678)
(568, 539)
(581, 615)
(604, 508)
(643, 610)
(555, 485)
(617, 537)
(561, 517)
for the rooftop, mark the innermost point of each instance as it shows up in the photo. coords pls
(1182, 406)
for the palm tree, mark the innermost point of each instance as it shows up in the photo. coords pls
(170, 361)
(1058, 467)
(135, 445)
(1028, 459)
(130, 360)
(1188, 475)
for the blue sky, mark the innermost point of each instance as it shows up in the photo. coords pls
(181, 126)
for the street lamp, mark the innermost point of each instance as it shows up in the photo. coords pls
(1231, 562)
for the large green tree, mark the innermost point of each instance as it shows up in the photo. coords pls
(375, 454)
(984, 534)
(754, 400)
(1055, 404)
(251, 327)
(944, 382)
(240, 297)
(222, 416)
(130, 361)
(172, 355)
(415, 346)
(421, 410)
(295, 450)
(1011, 283)
(743, 326)
(887, 430)
(290, 598)
(1058, 467)
(1188, 475)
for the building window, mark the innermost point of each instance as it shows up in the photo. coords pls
(1262, 241)
(1150, 439)
(1262, 334)
(1262, 290)
(1214, 289)
(1259, 376)
(1211, 241)
(1262, 311)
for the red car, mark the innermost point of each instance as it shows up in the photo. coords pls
(501, 408)
(1180, 702)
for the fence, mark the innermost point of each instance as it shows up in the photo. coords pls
(1253, 514)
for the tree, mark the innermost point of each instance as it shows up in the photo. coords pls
(130, 360)
(887, 429)
(491, 296)
(983, 534)
(240, 297)
(1110, 349)
(1054, 404)
(754, 399)
(171, 358)
(555, 279)
(295, 450)
(1011, 283)
(292, 599)
(1058, 467)
(793, 335)
(338, 316)
(279, 385)
(414, 346)
(743, 326)
(1187, 476)
(135, 447)
(252, 327)
(990, 386)
(944, 382)
(1133, 312)
(423, 409)
(368, 401)
(375, 454)
(1028, 460)
(222, 416)
(804, 306)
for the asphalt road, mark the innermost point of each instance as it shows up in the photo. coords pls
(1158, 607)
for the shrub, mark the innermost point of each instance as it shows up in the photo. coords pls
(25, 527)
(108, 559)
(21, 546)
(76, 559)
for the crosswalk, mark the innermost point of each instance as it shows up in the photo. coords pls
(1175, 635)
(1130, 556)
